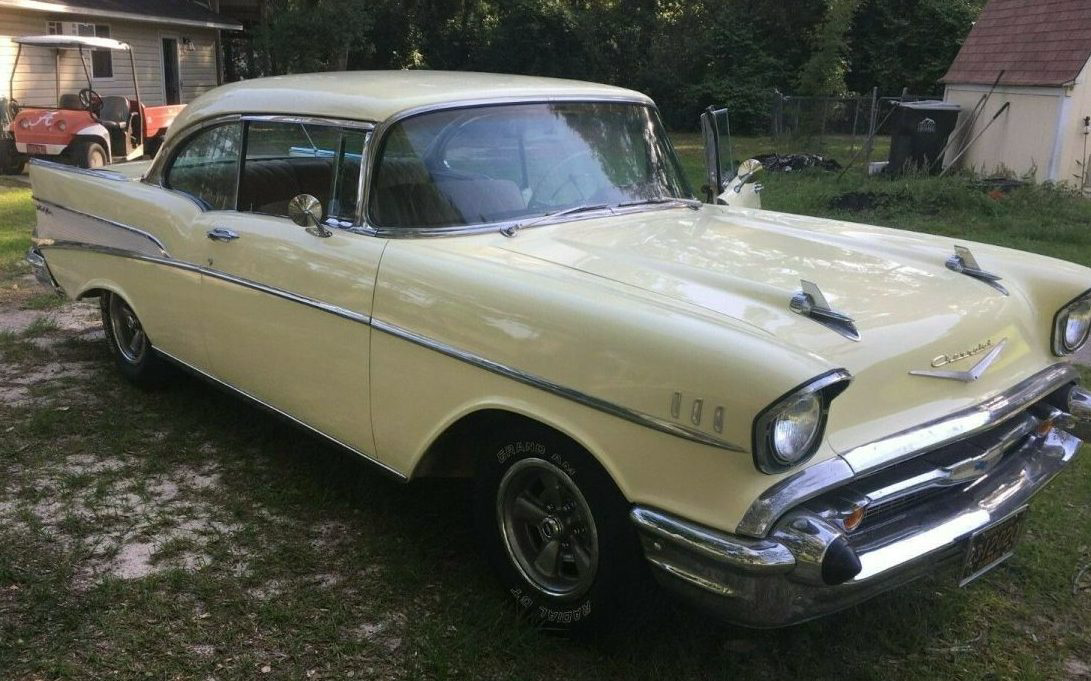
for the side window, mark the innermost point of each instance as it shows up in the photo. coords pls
(206, 166)
(284, 160)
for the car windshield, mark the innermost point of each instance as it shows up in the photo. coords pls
(512, 163)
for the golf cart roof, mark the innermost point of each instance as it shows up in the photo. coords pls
(71, 42)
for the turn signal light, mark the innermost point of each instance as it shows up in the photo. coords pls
(853, 519)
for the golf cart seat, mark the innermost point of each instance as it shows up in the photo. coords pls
(70, 101)
(115, 113)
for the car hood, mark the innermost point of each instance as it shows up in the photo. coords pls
(745, 265)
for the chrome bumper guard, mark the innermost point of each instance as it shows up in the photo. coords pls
(38, 264)
(917, 518)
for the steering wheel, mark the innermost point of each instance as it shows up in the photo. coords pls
(90, 100)
(569, 180)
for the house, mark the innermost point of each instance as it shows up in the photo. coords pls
(1044, 49)
(175, 44)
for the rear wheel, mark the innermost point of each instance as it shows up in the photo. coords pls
(556, 529)
(89, 154)
(133, 352)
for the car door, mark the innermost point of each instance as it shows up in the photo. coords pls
(286, 312)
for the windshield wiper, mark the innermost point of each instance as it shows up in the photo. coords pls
(513, 228)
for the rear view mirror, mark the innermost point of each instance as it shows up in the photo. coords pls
(748, 173)
(306, 211)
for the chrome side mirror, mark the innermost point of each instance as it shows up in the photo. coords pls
(306, 211)
(748, 173)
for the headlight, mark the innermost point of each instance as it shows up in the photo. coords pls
(62, 126)
(24, 123)
(1071, 325)
(788, 433)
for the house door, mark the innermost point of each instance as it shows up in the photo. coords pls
(172, 83)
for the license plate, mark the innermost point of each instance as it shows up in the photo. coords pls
(35, 148)
(992, 545)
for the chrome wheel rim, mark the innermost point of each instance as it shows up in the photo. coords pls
(547, 527)
(129, 336)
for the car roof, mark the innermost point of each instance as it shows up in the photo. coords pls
(71, 42)
(377, 95)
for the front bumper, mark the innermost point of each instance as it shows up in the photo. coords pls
(785, 577)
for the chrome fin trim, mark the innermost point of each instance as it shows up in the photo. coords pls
(98, 173)
(57, 223)
(189, 367)
(546, 385)
(216, 274)
(526, 378)
(865, 459)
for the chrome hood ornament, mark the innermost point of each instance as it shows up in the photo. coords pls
(975, 372)
(964, 262)
(810, 302)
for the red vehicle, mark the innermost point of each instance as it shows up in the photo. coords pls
(85, 128)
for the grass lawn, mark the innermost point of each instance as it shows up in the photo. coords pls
(182, 534)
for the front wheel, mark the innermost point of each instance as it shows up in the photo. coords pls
(132, 350)
(556, 529)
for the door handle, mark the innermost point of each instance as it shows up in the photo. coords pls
(221, 234)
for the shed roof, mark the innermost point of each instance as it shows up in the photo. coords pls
(377, 95)
(179, 12)
(1036, 42)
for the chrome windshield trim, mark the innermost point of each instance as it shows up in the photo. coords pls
(997, 409)
(826, 475)
(546, 385)
(379, 135)
(100, 173)
(498, 227)
(367, 457)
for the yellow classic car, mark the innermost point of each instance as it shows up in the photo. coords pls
(509, 278)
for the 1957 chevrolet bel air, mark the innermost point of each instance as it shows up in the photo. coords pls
(509, 278)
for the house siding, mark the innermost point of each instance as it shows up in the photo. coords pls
(1076, 154)
(35, 84)
(1020, 141)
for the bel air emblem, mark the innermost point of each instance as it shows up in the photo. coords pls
(975, 372)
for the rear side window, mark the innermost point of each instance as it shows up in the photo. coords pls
(286, 159)
(206, 166)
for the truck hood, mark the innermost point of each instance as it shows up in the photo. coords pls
(745, 265)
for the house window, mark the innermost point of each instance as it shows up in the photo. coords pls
(54, 28)
(102, 61)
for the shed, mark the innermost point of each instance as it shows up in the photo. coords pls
(1044, 49)
(175, 44)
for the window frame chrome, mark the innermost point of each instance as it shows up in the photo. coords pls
(160, 166)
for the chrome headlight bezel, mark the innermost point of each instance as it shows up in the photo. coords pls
(823, 388)
(1060, 342)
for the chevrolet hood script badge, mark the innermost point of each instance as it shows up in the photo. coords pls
(975, 372)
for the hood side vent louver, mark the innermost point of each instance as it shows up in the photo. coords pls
(964, 262)
(810, 302)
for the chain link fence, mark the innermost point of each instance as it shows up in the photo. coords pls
(836, 127)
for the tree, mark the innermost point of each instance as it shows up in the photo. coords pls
(825, 70)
